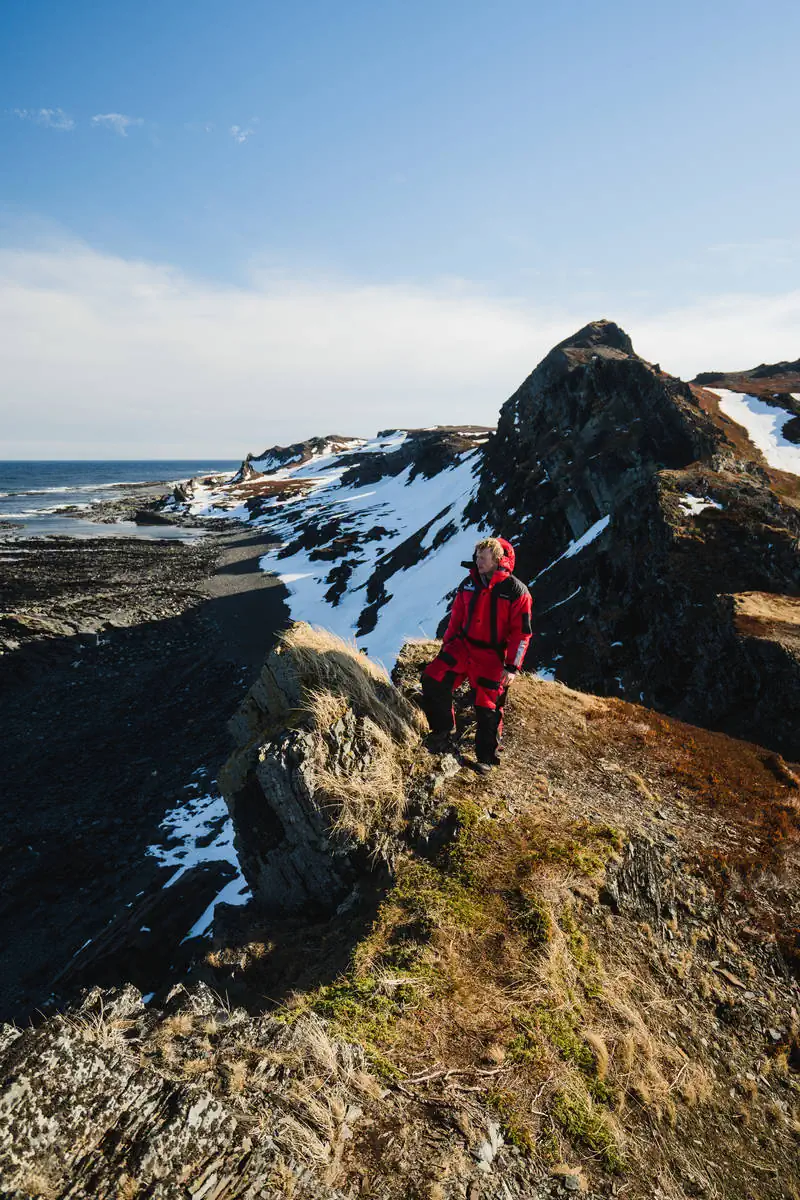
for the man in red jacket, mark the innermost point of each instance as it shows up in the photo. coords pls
(485, 642)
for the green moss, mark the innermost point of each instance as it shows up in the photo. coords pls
(584, 857)
(587, 1129)
(545, 1029)
(358, 1003)
(530, 913)
(610, 834)
(422, 900)
(462, 857)
(513, 1127)
(430, 897)
(360, 1012)
(548, 1148)
(580, 847)
(601, 1091)
(545, 1025)
(588, 964)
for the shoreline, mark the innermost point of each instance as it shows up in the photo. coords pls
(121, 660)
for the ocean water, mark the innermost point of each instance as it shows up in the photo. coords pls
(32, 492)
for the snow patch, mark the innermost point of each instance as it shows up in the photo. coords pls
(200, 831)
(566, 599)
(579, 544)
(764, 424)
(696, 504)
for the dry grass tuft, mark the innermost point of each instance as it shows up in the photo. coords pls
(641, 785)
(370, 801)
(597, 1045)
(284, 1178)
(103, 1031)
(39, 1186)
(366, 789)
(328, 664)
(127, 1188)
(179, 1025)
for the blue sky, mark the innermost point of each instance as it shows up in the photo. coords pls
(466, 180)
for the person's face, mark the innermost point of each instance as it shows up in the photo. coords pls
(485, 561)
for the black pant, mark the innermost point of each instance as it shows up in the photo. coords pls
(437, 704)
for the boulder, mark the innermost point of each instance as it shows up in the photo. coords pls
(148, 516)
(315, 788)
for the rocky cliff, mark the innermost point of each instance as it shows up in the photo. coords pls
(579, 976)
(661, 549)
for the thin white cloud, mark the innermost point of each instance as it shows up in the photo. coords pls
(119, 122)
(241, 133)
(105, 357)
(50, 118)
(757, 255)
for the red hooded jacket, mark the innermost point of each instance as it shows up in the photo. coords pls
(496, 615)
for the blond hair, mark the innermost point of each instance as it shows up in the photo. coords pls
(492, 544)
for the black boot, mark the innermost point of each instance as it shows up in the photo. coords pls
(487, 721)
(442, 743)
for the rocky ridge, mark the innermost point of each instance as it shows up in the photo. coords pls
(660, 545)
(579, 977)
(369, 534)
(647, 524)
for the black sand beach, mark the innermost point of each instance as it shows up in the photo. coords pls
(123, 660)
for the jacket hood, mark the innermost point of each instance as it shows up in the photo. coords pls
(506, 562)
(509, 558)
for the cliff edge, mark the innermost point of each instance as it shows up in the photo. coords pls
(578, 976)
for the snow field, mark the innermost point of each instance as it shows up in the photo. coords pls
(764, 424)
(418, 595)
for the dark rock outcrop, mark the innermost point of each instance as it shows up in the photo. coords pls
(425, 451)
(148, 516)
(295, 455)
(120, 1100)
(763, 380)
(299, 849)
(677, 523)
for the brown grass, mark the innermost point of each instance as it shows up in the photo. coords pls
(326, 663)
(368, 792)
(494, 980)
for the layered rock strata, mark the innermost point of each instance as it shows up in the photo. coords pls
(116, 1099)
(643, 524)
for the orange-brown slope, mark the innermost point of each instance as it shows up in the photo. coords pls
(601, 956)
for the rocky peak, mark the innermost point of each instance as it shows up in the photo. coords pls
(600, 336)
(587, 428)
(643, 519)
